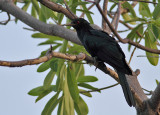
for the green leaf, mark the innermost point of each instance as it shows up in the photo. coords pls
(84, 92)
(153, 58)
(35, 5)
(36, 91)
(60, 107)
(48, 42)
(41, 35)
(76, 49)
(88, 86)
(46, 92)
(68, 101)
(49, 78)
(25, 7)
(133, 33)
(42, 16)
(127, 18)
(44, 66)
(156, 31)
(81, 108)
(78, 3)
(144, 10)
(151, 33)
(72, 84)
(33, 12)
(51, 104)
(61, 69)
(85, 11)
(79, 70)
(157, 82)
(88, 14)
(60, 18)
(87, 79)
(112, 7)
(54, 65)
(156, 12)
(128, 6)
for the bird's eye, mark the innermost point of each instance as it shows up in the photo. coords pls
(78, 22)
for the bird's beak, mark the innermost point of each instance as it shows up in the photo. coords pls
(68, 24)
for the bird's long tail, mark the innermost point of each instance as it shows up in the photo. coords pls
(126, 89)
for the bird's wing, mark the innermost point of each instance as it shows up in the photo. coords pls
(106, 48)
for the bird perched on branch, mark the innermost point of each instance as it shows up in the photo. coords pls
(104, 48)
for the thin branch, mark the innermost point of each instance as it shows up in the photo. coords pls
(49, 29)
(100, 88)
(133, 52)
(122, 22)
(140, 1)
(154, 101)
(30, 29)
(58, 8)
(148, 56)
(42, 59)
(5, 22)
(149, 92)
(118, 15)
(91, 6)
(126, 40)
(67, 7)
(104, 26)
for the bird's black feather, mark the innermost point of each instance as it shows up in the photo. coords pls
(99, 44)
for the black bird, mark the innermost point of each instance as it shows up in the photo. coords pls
(105, 49)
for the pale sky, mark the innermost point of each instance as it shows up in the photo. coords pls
(17, 44)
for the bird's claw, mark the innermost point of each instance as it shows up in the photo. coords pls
(95, 62)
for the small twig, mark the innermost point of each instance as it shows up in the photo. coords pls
(149, 56)
(29, 29)
(118, 15)
(122, 22)
(91, 6)
(5, 22)
(140, 1)
(133, 52)
(126, 40)
(155, 100)
(67, 7)
(58, 8)
(149, 92)
(100, 88)
(115, 20)
(104, 26)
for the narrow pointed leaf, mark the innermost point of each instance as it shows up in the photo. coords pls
(81, 108)
(72, 84)
(84, 92)
(49, 78)
(36, 91)
(87, 79)
(45, 92)
(156, 12)
(51, 104)
(153, 58)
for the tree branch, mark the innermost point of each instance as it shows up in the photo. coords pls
(5, 22)
(58, 8)
(126, 40)
(50, 29)
(104, 26)
(100, 88)
(140, 1)
(154, 101)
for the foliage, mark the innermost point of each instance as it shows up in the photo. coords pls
(70, 76)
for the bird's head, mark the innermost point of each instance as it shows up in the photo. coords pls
(78, 23)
